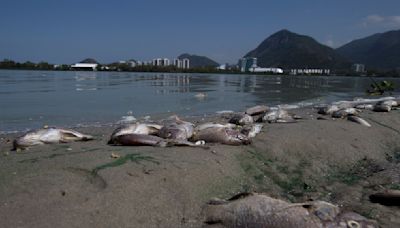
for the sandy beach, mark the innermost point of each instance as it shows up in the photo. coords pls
(80, 185)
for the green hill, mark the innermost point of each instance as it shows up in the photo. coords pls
(288, 50)
(379, 51)
(197, 61)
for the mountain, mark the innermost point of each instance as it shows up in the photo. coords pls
(288, 50)
(379, 51)
(197, 61)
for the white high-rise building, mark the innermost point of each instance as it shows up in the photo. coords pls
(161, 62)
(178, 63)
(246, 63)
(182, 63)
(165, 62)
(157, 62)
(185, 63)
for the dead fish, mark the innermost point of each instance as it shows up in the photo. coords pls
(328, 110)
(397, 100)
(137, 128)
(175, 128)
(382, 107)
(221, 135)
(279, 116)
(388, 198)
(151, 140)
(251, 131)
(344, 112)
(208, 125)
(241, 119)
(139, 140)
(392, 103)
(259, 210)
(365, 106)
(48, 136)
(358, 101)
(359, 120)
(351, 220)
(256, 110)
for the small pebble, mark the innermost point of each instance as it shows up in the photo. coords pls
(114, 155)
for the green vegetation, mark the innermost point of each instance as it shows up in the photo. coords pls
(123, 67)
(380, 88)
(197, 61)
(359, 171)
(34, 160)
(261, 172)
(10, 64)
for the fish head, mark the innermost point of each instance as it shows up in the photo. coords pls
(172, 132)
(352, 220)
(236, 137)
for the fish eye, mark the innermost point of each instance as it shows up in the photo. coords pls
(353, 224)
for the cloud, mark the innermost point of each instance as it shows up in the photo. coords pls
(395, 19)
(375, 20)
(329, 41)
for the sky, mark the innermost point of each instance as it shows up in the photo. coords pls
(60, 31)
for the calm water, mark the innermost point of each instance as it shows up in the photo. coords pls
(31, 99)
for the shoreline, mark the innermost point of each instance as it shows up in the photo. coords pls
(216, 72)
(333, 160)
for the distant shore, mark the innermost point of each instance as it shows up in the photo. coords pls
(211, 70)
(334, 160)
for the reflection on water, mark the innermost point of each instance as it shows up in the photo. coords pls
(30, 99)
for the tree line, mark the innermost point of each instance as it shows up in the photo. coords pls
(125, 67)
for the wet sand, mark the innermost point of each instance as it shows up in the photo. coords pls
(80, 185)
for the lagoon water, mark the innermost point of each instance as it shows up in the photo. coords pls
(31, 99)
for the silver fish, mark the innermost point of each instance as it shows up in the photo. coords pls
(259, 211)
(49, 136)
(279, 116)
(139, 140)
(252, 131)
(241, 119)
(359, 120)
(208, 125)
(221, 135)
(365, 106)
(328, 110)
(152, 140)
(137, 128)
(175, 128)
(383, 106)
(256, 110)
(341, 113)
